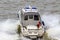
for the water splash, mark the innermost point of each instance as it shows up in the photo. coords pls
(52, 21)
(8, 27)
(8, 30)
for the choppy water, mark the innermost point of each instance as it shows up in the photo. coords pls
(10, 8)
(8, 27)
(49, 9)
(52, 21)
(8, 30)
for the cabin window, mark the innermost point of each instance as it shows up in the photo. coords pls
(30, 16)
(36, 17)
(26, 17)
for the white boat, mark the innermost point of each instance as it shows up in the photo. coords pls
(32, 25)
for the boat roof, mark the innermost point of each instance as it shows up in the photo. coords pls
(30, 9)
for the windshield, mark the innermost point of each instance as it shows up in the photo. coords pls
(36, 17)
(26, 17)
(30, 16)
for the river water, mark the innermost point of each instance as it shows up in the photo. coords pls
(8, 27)
(49, 10)
(10, 8)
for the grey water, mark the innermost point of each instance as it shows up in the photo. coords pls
(10, 8)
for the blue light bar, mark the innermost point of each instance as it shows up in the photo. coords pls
(34, 8)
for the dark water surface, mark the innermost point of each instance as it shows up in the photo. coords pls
(10, 8)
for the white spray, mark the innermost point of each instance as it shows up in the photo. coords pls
(8, 30)
(52, 21)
